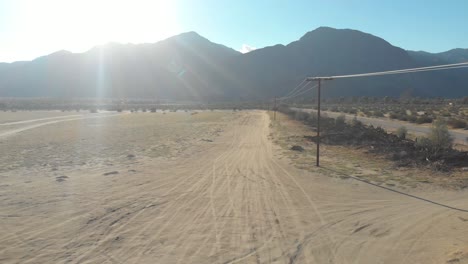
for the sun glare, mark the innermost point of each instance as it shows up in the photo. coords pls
(79, 25)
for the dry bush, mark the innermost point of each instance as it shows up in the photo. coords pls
(401, 132)
(439, 139)
(456, 123)
(340, 122)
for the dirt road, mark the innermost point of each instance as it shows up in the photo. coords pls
(237, 201)
(458, 135)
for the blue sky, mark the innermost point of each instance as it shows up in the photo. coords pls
(31, 28)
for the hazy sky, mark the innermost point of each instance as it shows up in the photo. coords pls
(32, 28)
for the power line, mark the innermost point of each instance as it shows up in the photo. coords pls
(298, 93)
(402, 71)
(400, 192)
(307, 83)
(293, 90)
(294, 93)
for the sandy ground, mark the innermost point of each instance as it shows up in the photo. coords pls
(205, 188)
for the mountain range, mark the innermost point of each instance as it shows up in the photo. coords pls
(190, 67)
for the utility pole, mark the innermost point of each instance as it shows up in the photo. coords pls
(319, 79)
(318, 124)
(274, 108)
(402, 71)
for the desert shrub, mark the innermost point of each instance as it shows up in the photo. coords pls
(356, 122)
(379, 129)
(401, 132)
(423, 143)
(93, 110)
(424, 119)
(311, 119)
(340, 122)
(153, 110)
(440, 137)
(465, 100)
(403, 117)
(327, 123)
(367, 112)
(286, 110)
(412, 118)
(301, 116)
(456, 123)
(393, 115)
(378, 113)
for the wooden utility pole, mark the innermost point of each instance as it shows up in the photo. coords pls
(274, 109)
(318, 123)
(319, 79)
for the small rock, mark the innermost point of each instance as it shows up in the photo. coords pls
(61, 178)
(297, 148)
(207, 140)
(111, 173)
(130, 156)
(465, 169)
